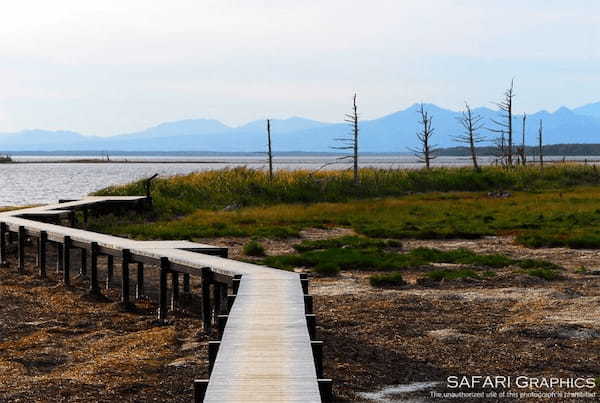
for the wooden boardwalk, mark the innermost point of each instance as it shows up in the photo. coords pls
(265, 350)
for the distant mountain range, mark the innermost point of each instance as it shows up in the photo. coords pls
(392, 133)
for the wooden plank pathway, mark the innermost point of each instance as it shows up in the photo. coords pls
(266, 350)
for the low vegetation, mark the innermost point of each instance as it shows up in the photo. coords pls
(254, 248)
(546, 208)
(387, 279)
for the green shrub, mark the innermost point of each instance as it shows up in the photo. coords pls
(354, 242)
(386, 279)
(546, 274)
(450, 274)
(254, 248)
(327, 269)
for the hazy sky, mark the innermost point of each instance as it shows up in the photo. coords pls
(108, 67)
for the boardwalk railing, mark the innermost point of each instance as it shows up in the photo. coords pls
(266, 349)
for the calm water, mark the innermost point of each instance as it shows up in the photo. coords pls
(33, 183)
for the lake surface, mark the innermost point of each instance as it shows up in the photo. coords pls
(41, 182)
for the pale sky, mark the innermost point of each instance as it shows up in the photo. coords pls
(109, 67)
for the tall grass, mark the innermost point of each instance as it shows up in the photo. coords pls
(241, 187)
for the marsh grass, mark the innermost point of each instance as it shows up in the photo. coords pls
(243, 187)
(254, 248)
(379, 259)
(544, 210)
(546, 274)
(387, 279)
(452, 274)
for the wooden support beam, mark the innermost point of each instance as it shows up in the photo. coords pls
(59, 258)
(3, 246)
(311, 323)
(326, 390)
(139, 285)
(186, 283)
(37, 255)
(162, 291)
(213, 350)
(230, 301)
(236, 284)
(21, 249)
(174, 290)
(83, 268)
(110, 270)
(216, 293)
(85, 215)
(200, 386)
(308, 304)
(221, 322)
(206, 305)
(42, 243)
(317, 350)
(72, 217)
(125, 260)
(66, 261)
(94, 285)
(304, 283)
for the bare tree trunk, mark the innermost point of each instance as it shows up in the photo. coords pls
(270, 151)
(523, 156)
(350, 143)
(471, 125)
(540, 144)
(505, 124)
(426, 152)
(355, 136)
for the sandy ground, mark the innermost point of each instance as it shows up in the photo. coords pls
(58, 344)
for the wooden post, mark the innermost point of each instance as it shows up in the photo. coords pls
(94, 286)
(200, 386)
(3, 248)
(221, 322)
(59, 258)
(311, 323)
(230, 301)
(110, 270)
(206, 306)
(125, 260)
(43, 241)
(139, 286)
(72, 218)
(235, 285)
(186, 283)
(216, 288)
(213, 350)
(21, 251)
(317, 350)
(304, 283)
(326, 390)
(85, 215)
(308, 304)
(37, 254)
(162, 291)
(66, 263)
(83, 268)
(174, 289)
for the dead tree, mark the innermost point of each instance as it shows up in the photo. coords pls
(500, 150)
(504, 124)
(269, 150)
(471, 124)
(540, 144)
(351, 141)
(426, 151)
(522, 148)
